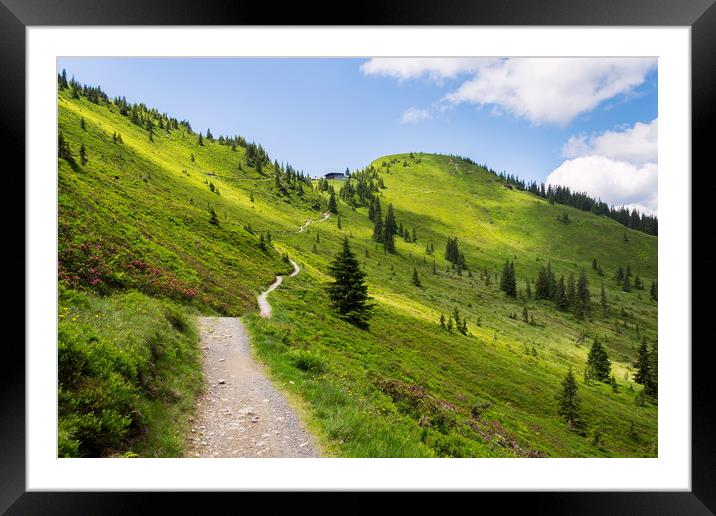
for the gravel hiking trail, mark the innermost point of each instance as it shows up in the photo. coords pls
(325, 216)
(264, 306)
(241, 413)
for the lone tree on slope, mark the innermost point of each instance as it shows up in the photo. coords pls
(569, 400)
(598, 365)
(348, 292)
(213, 219)
(416, 277)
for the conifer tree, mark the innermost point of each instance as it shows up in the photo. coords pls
(82, 124)
(416, 278)
(642, 364)
(626, 284)
(338, 222)
(569, 401)
(654, 364)
(332, 205)
(644, 374)
(582, 302)
(63, 149)
(508, 283)
(456, 317)
(83, 154)
(653, 291)
(201, 142)
(598, 364)
(389, 230)
(378, 219)
(348, 291)
(560, 296)
(435, 270)
(213, 219)
(619, 275)
(442, 321)
(525, 314)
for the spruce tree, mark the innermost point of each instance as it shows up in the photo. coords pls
(582, 302)
(644, 374)
(82, 124)
(213, 219)
(653, 291)
(569, 400)
(508, 282)
(332, 205)
(652, 386)
(63, 149)
(560, 296)
(348, 292)
(598, 364)
(83, 154)
(642, 363)
(378, 228)
(416, 278)
(200, 141)
(389, 230)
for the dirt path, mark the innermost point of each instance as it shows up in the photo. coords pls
(241, 414)
(264, 306)
(325, 215)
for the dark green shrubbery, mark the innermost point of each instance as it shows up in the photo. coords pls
(118, 359)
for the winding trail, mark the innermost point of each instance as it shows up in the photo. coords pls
(241, 413)
(264, 306)
(325, 215)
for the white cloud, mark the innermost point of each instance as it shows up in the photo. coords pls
(435, 68)
(413, 116)
(620, 167)
(541, 90)
(637, 144)
(551, 90)
(615, 182)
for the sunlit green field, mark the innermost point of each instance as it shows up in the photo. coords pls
(404, 387)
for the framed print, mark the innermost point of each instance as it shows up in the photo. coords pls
(439, 250)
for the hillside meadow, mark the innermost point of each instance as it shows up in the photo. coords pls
(140, 255)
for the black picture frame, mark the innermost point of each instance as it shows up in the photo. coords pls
(700, 15)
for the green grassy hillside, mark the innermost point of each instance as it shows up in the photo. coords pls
(136, 216)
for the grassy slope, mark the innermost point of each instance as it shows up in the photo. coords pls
(492, 381)
(135, 217)
(404, 388)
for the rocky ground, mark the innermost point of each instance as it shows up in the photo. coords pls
(241, 414)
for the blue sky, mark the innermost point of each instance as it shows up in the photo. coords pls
(540, 119)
